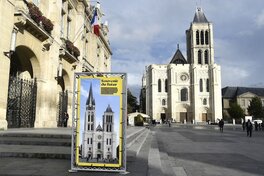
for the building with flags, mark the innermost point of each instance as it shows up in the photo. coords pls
(43, 43)
(186, 89)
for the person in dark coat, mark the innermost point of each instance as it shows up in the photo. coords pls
(221, 125)
(65, 119)
(249, 128)
(256, 125)
(244, 125)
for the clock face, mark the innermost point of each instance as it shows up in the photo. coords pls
(183, 77)
(99, 136)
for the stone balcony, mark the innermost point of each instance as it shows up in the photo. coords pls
(23, 21)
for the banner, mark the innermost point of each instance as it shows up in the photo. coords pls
(99, 121)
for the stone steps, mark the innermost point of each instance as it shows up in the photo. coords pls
(35, 141)
(43, 146)
(39, 160)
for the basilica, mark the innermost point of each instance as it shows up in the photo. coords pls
(186, 89)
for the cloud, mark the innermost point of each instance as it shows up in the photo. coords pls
(145, 32)
(260, 19)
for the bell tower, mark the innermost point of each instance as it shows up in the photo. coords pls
(205, 74)
(200, 44)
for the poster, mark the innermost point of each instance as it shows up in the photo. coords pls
(99, 122)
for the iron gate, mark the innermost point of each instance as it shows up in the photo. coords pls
(62, 107)
(21, 102)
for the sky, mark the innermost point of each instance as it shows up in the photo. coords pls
(101, 103)
(144, 32)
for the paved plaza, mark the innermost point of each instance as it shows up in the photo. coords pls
(179, 150)
(204, 151)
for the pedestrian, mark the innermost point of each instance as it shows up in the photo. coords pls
(221, 125)
(256, 125)
(262, 126)
(249, 128)
(244, 125)
(65, 119)
(169, 123)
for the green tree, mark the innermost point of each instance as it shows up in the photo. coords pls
(132, 103)
(235, 111)
(255, 108)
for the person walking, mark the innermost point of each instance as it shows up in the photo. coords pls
(221, 125)
(249, 128)
(65, 119)
(244, 125)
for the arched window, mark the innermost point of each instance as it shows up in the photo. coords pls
(88, 127)
(206, 37)
(92, 118)
(199, 57)
(110, 128)
(163, 102)
(107, 141)
(207, 85)
(202, 37)
(201, 85)
(184, 94)
(159, 85)
(88, 117)
(206, 57)
(92, 127)
(99, 145)
(197, 38)
(204, 101)
(91, 140)
(166, 85)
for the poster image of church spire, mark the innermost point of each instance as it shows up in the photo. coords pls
(99, 143)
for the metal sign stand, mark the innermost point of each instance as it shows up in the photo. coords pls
(75, 166)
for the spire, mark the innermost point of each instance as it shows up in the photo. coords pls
(199, 16)
(108, 109)
(90, 99)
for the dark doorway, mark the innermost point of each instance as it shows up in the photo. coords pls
(163, 117)
(62, 107)
(183, 116)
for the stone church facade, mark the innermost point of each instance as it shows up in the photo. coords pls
(42, 44)
(187, 90)
(99, 142)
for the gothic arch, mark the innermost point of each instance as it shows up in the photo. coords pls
(202, 37)
(206, 37)
(206, 57)
(197, 37)
(200, 57)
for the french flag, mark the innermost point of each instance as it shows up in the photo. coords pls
(94, 23)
